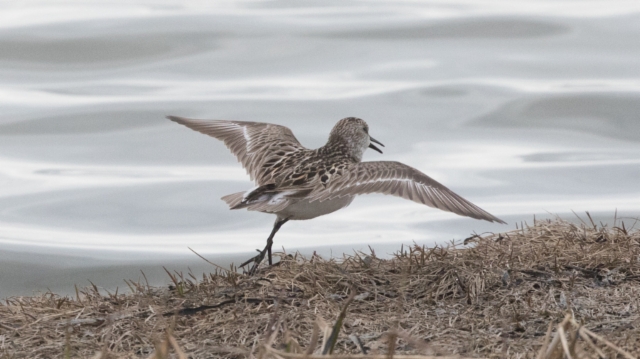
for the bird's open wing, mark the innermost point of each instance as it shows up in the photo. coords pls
(251, 142)
(400, 180)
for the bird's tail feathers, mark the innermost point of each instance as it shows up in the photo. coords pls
(263, 198)
(234, 200)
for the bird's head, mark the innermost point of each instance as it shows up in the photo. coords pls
(353, 133)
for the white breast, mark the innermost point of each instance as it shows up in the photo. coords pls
(307, 210)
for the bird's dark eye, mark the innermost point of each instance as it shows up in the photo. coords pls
(365, 129)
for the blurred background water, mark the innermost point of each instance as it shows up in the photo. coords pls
(523, 107)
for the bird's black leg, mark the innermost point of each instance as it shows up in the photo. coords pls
(267, 249)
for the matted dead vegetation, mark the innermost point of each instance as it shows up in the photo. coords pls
(550, 290)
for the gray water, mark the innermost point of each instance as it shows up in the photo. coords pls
(523, 107)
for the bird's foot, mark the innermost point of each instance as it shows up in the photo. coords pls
(256, 261)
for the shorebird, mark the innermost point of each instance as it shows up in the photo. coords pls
(297, 183)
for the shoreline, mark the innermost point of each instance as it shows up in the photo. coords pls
(554, 288)
(27, 273)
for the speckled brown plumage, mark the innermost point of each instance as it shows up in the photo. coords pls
(278, 163)
(296, 183)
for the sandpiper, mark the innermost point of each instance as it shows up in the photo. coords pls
(296, 183)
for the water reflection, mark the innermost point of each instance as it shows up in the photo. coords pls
(490, 28)
(603, 114)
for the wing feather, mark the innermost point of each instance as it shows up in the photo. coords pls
(253, 143)
(400, 180)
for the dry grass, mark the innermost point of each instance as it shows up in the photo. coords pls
(551, 290)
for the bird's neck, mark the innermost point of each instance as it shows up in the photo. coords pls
(339, 147)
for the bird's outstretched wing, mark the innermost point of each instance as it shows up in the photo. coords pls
(400, 180)
(253, 143)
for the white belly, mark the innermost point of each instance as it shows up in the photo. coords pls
(306, 210)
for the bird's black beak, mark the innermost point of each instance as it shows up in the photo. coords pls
(372, 146)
